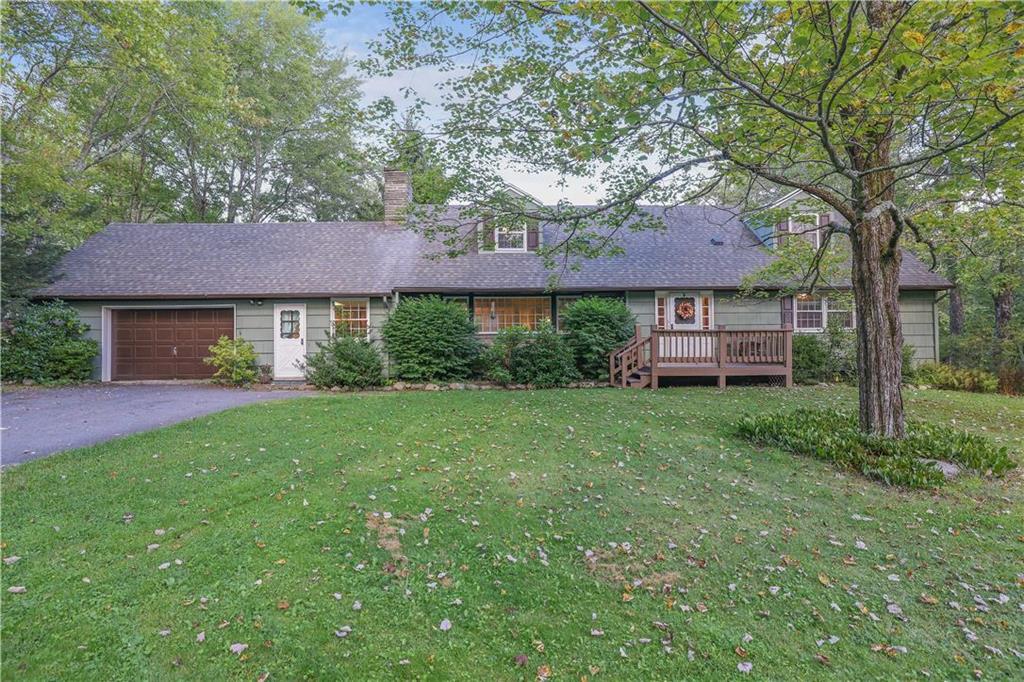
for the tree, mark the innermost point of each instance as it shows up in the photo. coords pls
(413, 151)
(849, 102)
(168, 111)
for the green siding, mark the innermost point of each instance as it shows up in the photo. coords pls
(917, 314)
(641, 304)
(733, 310)
(254, 323)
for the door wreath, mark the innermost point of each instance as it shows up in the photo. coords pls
(685, 310)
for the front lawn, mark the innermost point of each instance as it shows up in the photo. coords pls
(601, 533)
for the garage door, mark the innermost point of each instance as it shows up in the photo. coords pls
(167, 343)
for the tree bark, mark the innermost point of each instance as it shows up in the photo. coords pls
(956, 311)
(874, 243)
(876, 272)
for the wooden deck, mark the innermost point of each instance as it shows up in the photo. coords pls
(717, 353)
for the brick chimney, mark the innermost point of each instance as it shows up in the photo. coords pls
(397, 196)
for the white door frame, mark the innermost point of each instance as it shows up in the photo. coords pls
(288, 351)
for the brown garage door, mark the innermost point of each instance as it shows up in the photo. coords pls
(167, 343)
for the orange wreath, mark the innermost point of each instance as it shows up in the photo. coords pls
(685, 309)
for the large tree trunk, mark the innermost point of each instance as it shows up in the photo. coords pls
(956, 311)
(876, 271)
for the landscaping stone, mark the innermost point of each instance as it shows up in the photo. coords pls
(948, 469)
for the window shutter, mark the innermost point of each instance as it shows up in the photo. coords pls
(662, 306)
(787, 310)
(780, 230)
(532, 238)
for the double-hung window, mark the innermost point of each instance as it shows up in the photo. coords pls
(352, 316)
(510, 238)
(814, 313)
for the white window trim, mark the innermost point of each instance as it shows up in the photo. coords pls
(824, 317)
(349, 299)
(500, 249)
(499, 298)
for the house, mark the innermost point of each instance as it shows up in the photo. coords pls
(157, 295)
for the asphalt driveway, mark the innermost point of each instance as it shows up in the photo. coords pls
(40, 421)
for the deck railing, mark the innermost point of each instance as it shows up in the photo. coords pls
(712, 352)
(630, 358)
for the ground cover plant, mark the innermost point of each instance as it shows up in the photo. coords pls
(833, 436)
(509, 535)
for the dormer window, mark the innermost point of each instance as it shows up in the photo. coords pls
(806, 226)
(510, 238)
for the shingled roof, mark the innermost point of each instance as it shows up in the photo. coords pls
(700, 248)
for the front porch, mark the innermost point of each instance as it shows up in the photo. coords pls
(717, 353)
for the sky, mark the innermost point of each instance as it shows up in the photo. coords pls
(353, 33)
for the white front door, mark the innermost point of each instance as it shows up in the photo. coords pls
(289, 340)
(684, 314)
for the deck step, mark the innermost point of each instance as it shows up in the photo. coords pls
(639, 379)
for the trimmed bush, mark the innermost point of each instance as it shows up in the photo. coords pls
(830, 356)
(431, 339)
(235, 361)
(45, 344)
(938, 375)
(834, 436)
(810, 359)
(347, 362)
(594, 327)
(540, 358)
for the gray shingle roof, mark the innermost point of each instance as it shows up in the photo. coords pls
(344, 258)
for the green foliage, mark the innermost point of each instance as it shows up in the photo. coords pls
(836, 100)
(938, 375)
(810, 358)
(431, 339)
(594, 327)
(176, 111)
(835, 437)
(345, 361)
(45, 344)
(540, 358)
(827, 357)
(235, 361)
(908, 368)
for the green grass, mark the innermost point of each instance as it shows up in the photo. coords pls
(268, 504)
